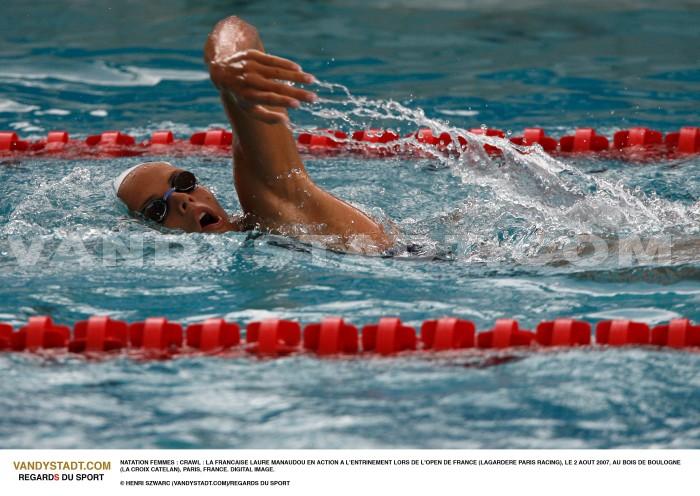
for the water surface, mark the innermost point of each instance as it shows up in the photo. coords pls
(496, 236)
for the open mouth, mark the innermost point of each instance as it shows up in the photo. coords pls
(207, 220)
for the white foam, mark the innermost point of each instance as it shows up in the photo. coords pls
(96, 74)
(52, 112)
(460, 113)
(15, 107)
(535, 204)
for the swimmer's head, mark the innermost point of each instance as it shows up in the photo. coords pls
(158, 192)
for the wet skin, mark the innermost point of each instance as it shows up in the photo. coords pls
(194, 211)
(273, 186)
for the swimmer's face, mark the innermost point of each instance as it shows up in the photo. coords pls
(193, 211)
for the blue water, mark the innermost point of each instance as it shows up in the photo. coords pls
(496, 236)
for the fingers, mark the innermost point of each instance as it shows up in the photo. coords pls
(270, 66)
(272, 60)
(261, 83)
(260, 57)
(286, 75)
(269, 98)
(258, 79)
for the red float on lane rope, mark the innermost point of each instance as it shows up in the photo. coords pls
(273, 336)
(637, 137)
(322, 140)
(375, 136)
(98, 334)
(162, 138)
(56, 141)
(6, 333)
(584, 140)
(10, 142)
(685, 141)
(376, 142)
(637, 143)
(155, 334)
(563, 332)
(447, 334)
(536, 135)
(334, 336)
(114, 143)
(388, 336)
(678, 333)
(621, 332)
(212, 138)
(488, 132)
(41, 332)
(213, 334)
(427, 137)
(490, 149)
(110, 139)
(331, 336)
(505, 333)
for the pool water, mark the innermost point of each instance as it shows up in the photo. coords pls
(513, 236)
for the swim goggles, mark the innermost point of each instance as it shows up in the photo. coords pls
(181, 182)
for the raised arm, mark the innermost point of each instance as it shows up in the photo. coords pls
(273, 186)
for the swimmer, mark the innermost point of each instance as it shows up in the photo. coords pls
(275, 191)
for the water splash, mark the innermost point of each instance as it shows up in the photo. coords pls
(522, 203)
(522, 208)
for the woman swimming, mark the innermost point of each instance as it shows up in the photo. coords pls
(273, 187)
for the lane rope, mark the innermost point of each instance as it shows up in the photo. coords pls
(634, 144)
(334, 336)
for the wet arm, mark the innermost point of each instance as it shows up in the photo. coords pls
(272, 184)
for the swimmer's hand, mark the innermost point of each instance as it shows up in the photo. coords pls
(254, 78)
